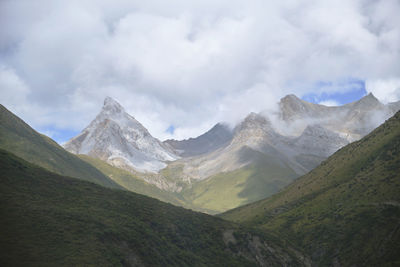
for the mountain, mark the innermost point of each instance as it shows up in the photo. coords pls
(51, 220)
(256, 163)
(19, 138)
(352, 121)
(345, 212)
(216, 137)
(119, 139)
(225, 168)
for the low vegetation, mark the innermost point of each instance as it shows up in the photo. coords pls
(347, 210)
(133, 183)
(51, 220)
(228, 190)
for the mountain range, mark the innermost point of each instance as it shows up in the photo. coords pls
(228, 167)
(344, 212)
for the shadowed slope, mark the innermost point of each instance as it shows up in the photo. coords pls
(51, 220)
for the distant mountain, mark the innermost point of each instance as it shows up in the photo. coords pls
(50, 220)
(352, 121)
(345, 212)
(255, 164)
(255, 159)
(119, 139)
(19, 138)
(216, 137)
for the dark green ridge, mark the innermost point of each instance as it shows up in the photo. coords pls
(19, 138)
(51, 220)
(347, 210)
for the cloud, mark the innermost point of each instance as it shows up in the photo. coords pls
(189, 64)
(387, 90)
(329, 103)
(12, 86)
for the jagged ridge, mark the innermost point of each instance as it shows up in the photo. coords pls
(118, 138)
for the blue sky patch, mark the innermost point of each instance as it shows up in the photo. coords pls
(170, 129)
(341, 92)
(59, 135)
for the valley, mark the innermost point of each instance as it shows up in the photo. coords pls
(227, 167)
(344, 212)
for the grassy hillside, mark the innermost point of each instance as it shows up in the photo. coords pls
(214, 195)
(19, 138)
(50, 220)
(228, 190)
(131, 182)
(345, 211)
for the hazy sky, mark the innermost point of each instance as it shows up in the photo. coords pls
(181, 66)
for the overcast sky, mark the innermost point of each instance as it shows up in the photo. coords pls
(181, 66)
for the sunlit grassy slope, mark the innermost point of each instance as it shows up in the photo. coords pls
(216, 194)
(133, 183)
(345, 211)
(228, 190)
(50, 220)
(19, 138)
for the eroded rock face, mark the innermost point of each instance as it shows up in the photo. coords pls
(119, 139)
(215, 138)
(298, 138)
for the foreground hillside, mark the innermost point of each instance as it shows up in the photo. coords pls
(19, 138)
(347, 210)
(50, 220)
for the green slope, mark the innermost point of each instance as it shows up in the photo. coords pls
(19, 138)
(50, 220)
(345, 211)
(229, 190)
(214, 195)
(131, 182)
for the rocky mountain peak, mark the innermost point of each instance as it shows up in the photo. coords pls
(112, 106)
(253, 122)
(254, 119)
(122, 141)
(292, 102)
(291, 107)
(369, 99)
(368, 102)
(216, 137)
(291, 98)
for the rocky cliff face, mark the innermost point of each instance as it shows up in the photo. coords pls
(119, 139)
(216, 137)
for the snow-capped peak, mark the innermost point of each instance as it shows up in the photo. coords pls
(112, 105)
(117, 137)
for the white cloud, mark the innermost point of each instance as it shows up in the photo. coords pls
(387, 90)
(190, 63)
(13, 90)
(329, 103)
